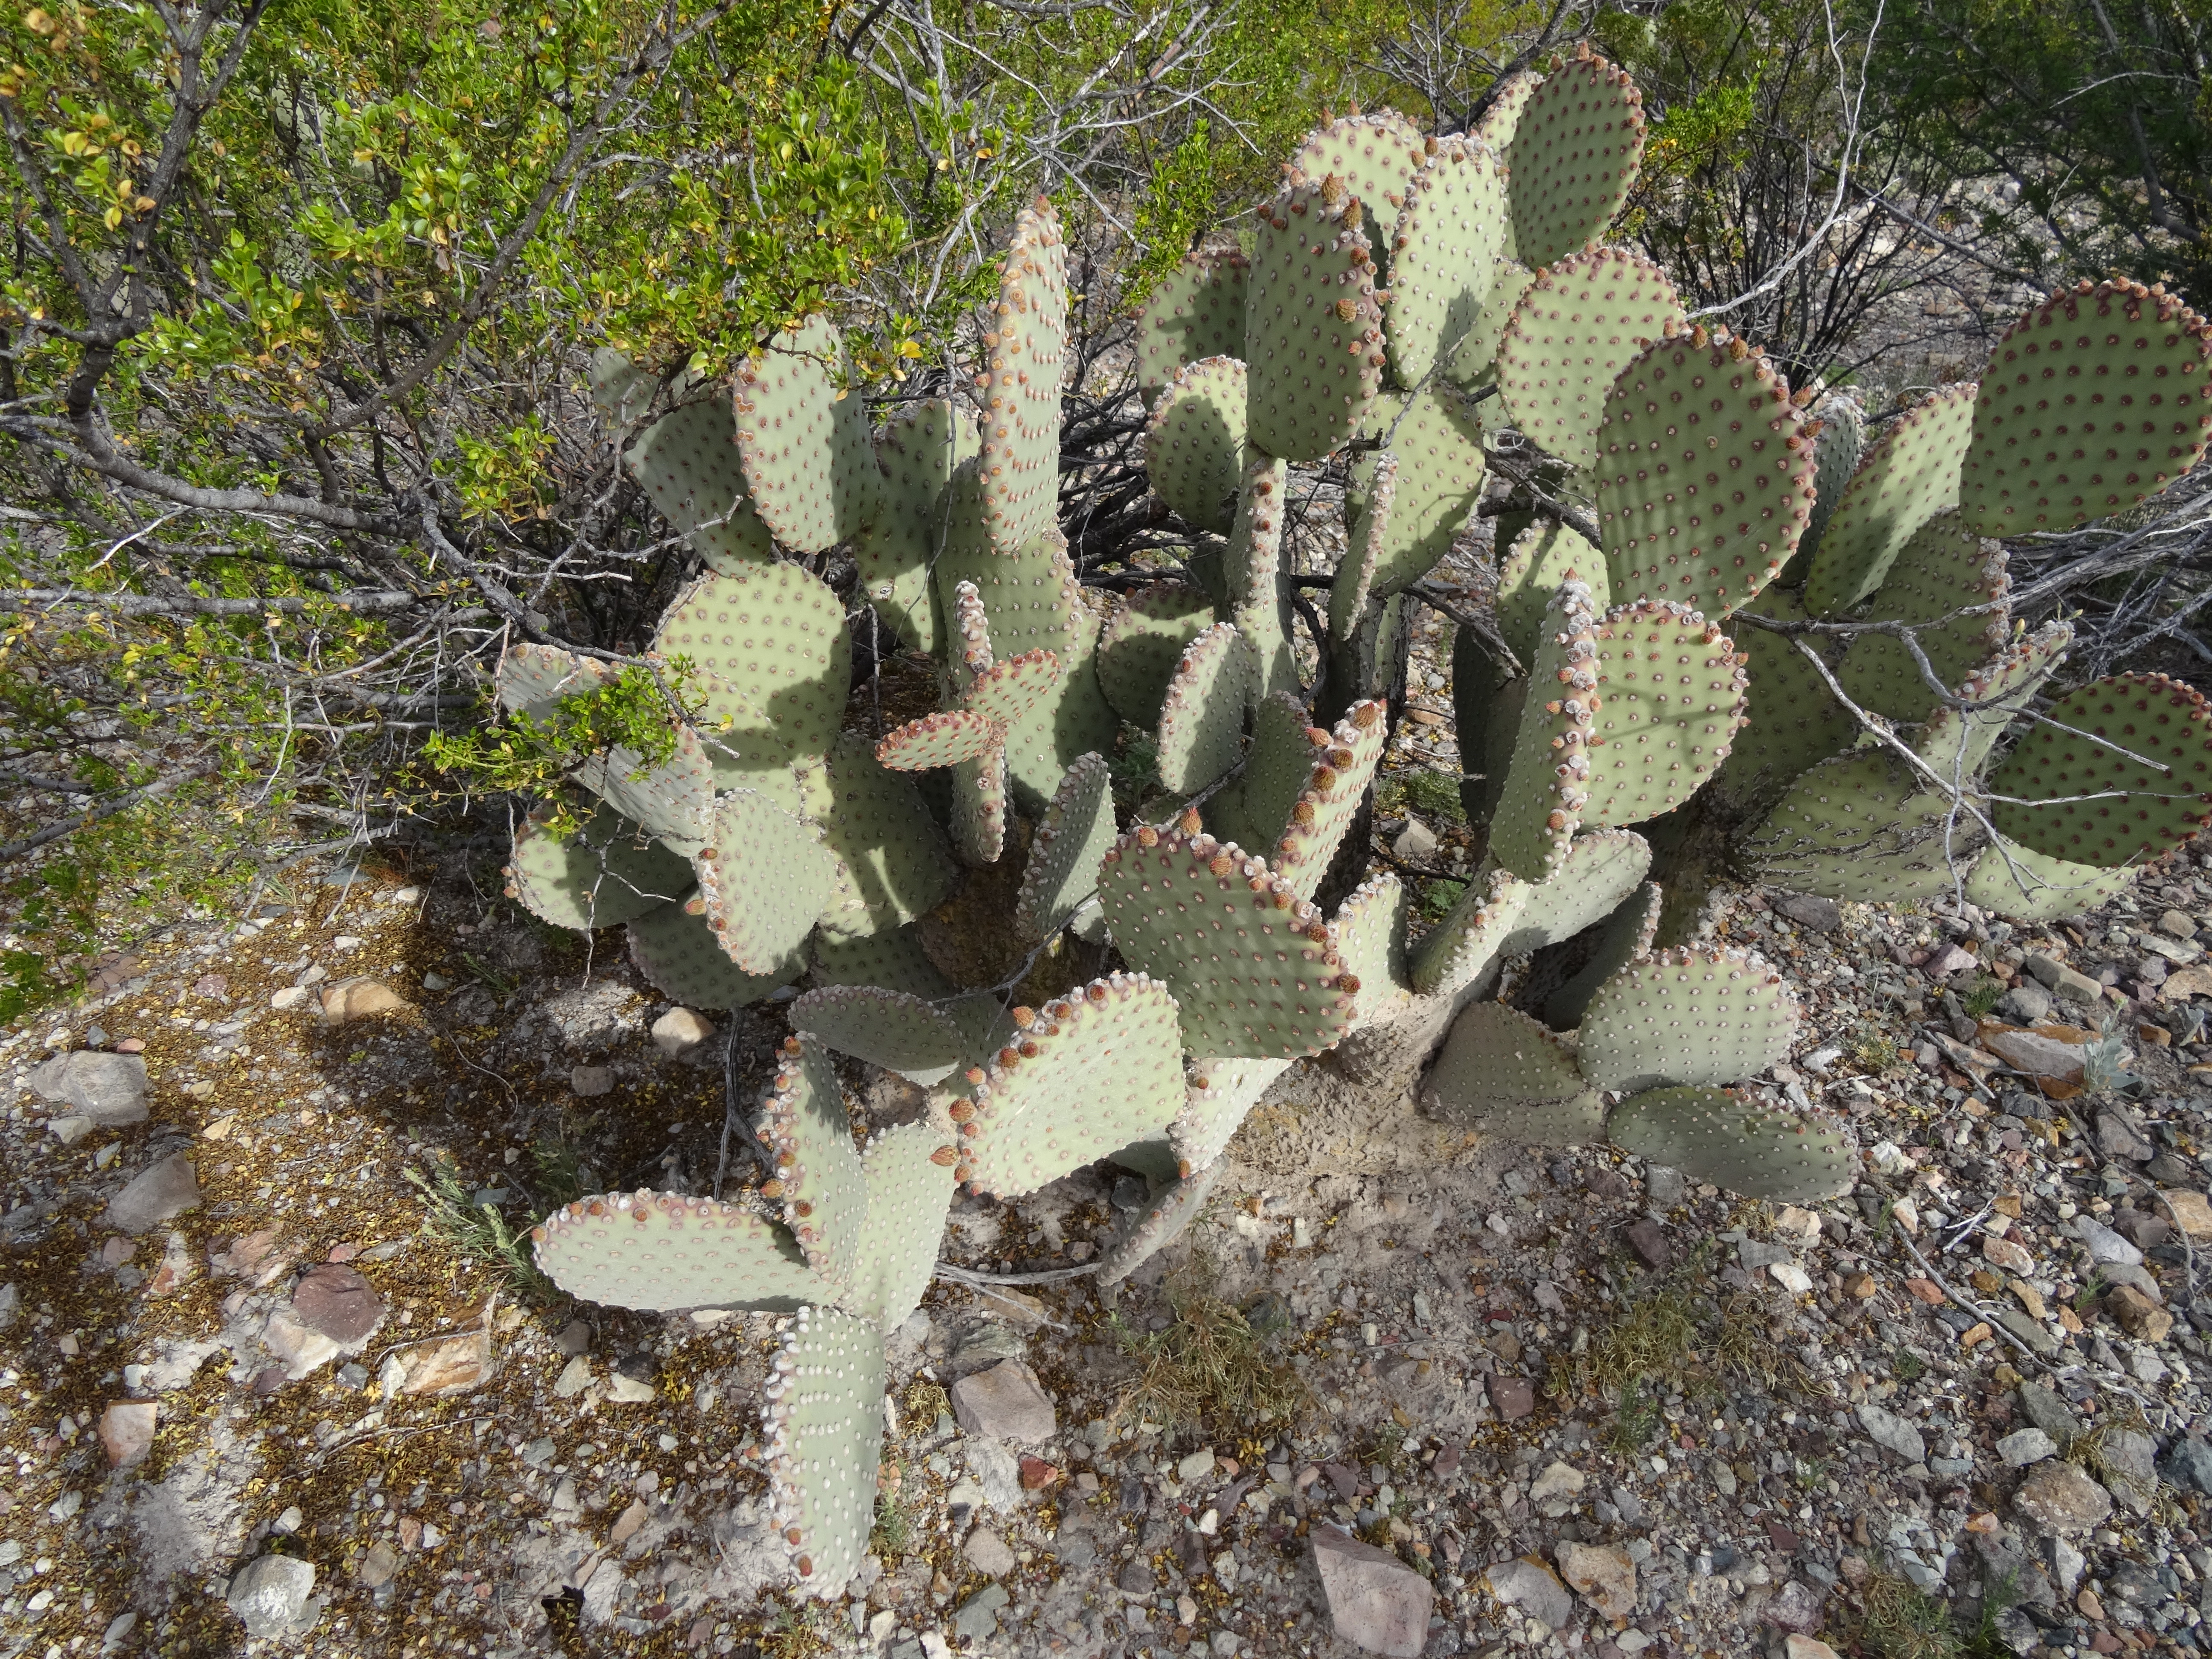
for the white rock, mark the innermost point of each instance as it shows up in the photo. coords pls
(680, 1032)
(2026, 1446)
(1790, 1277)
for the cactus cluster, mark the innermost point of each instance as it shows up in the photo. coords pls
(1409, 311)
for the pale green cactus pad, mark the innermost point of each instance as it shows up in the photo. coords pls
(1473, 363)
(1671, 694)
(2015, 881)
(1336, 786)
(1629, 932)
(1577, 145)
(1497, 126)
(890, 862)
(1143, 643)
(1836, 450)
(1371, 927)
(1202, 730)
(680, 957)
(532, 679)
(688, 463)
(1451, 955)
(606, 874)
(764, 877)
(1376, 156)
(1958, 742)
(1019, 468)
(1438, 443)
(774, 636)
(1254, 809)
(944, 739)
(1313, 331)
(1194, 442)
(979, 808)
(1576, 328)
(620, 389)
(1691, 1016)
(1030, 598)
(1442, 254)
(1197, 311)
(1791, 718)
(803, 437)
(1705, 476)
(1862, 825)
(891, 1029)
(1010, 687)
(2094, 400)
(918, 453)
(1904, 481)
(1549, 779)
(1486, 706)
(1075, 720)
(816, 1174)
(1530, 571)
(1739, 1144)
(1063, 865)
(1217, 1094)
(1172, 1209)
(1369, 541)
(1253, 968)
(1602, 867)
(659, 1252)
(1258, 605)
(1501, 1070)
(907, 1171)
(1076, 1079)
(671, 800)
(824, 1428)
(2147, 751)
(1944, 569)
(894, 959)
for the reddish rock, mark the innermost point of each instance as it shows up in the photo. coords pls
(1037, 1474)
(1515, 1397)
(337, 1301)
(1649, 1240)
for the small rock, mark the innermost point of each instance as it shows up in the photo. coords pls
(1604, 1574)
(989, 1553)
(361, 997)
(1415, 840)
(291, 996)
(683, 1034)
(978, 1617)
(2105, 1244)
(1649, 1240)
(2024, 1446)
(2037, 1053)
(575, 1338)
(2058, 1497)
(71, 1129)
(1196, 1467)
(270, 1593)
(1892, 1433)
(2119, 1138)
(378, 1565)
(1527, 1584)
(1790, 1277)
(449, 1365)
(1807, 1647)
(1800, 1226)
(576, 1377)
(109, 1090)
(1375, 1601)
(2191, 1211)
(628, 1523)
(2005, 1256)
(2188, 1465)
(592, 1081)
(2026, 1004)
(2138, 1315)
(126, 1432)
(2176, 924)
(1560, 1480)
(1005, 1402)
(1796, 1607)
(337, 1301)
(1952, 958)
(153, 1195)
(1663, 1186)
(2043, 1408)
(627, 1390)
(1822, 915)
(1512, 1397)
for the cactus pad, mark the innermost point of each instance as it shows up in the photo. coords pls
(893, 959)
(1739, 1144)
(1628, 935)
(1792, 719)
(620, 389)
(1904, 481)
(824, 1428)
(1442, 254)
(2168, 791)
(532, 679)
(1577, 148)
(1197, 311)
(920, 450)
(1373, 156)
(1363, 554)
(1143, 643)
(908, 1172)
(1194, 442)
(1576, 328)
(1836, 452)
(1254, 809)
(890, 1029)
(658, 1252)
(1692, 1015)
(979, 808)
(1437, 442)
(1602, 867)
(1019, 468)
(679, 956)
(1030, 598)
(817, 1173)
(2094, 400)
(938, 739)
(1253, 968)
(1670, 696)
(1486, 703)
(1313, 331)
(1010, 688)
(1258, 605)
(1371, 925)
(1454, 953)
(774, 635)
(1217, 1095)
(1507, 99)
(1076, 1079)
(606, 874)
(688, 462)
(1550, 777)
(1704, 478)
(1336, 786)
(1172, 1209)
(1530, 571)
(763, 877)
(803, 437)
(1957, 742)
(1944, 568)
(890, 862)
(1861, 825)
(1501, 1070)
(2015, 881)
(1473, 363)
(1063, 866)
(1201, 730)
(671, 800)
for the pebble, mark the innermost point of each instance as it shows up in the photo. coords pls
(989, 1553)
(592, 1081)
(2024, 1446)
(153, 1195)
(1892, 1433)
(126, 1432)
(1006, 1403)
(2105, 1244)
(682, 1033)
(2058, 1497)
(1604, 1575)
(1376, 1601)
(107, 1090)
(275, 1596)
(345, 1001)
(1527, 1584)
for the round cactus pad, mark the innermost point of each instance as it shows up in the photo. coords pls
(919, 451)
(1314, 330)
(803, 437)
(1336, 783)
(532, 679)
(1539, 558)
(1670, 695)
(1201, 730)
(1144, 641)
(817, 1173)
(1738, 1145)
(1578, 326)
(764, 877)
(890, 861)
(1010, 688)
(1437, 441)
(1019, 467)
(1577, 146)
(1507, 99)
(1945, 568)
(907, 1171)
(2094, 400)
(890, 1029)
(893, 959)
(2142, 744)
(1863, 826)
(1454, 952)
(1217, 1096)
(1603, 868)
(608, 872)
(938, 739)
(1957, 742)
(659, 1252)
(1690, 1016)
(2018, 882)
(1442, 255)
(1376, 156)
(688, 463)
(1791, 718)
(1904, 481)
(1197, 311)
(1254, 809)
(1194, 442)
(1075, 1080)
(1549, 777)
(1030, 598)
(824, 1428)
(1628, 934)
(1705, 476)
(680, 957)
(773, 636)
(1077, 829)
(620, 389)
(1253, 968)
(670, 800)
(1505, 1072)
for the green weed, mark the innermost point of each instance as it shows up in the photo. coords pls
(477, 1231)
(1208, 1369)
(1434, 795)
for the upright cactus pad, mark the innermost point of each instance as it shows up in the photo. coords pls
(2094, 400)
(1313, 329)
(920, 450)
(893, 959)
(1143, 642)
(2012, 880)
(1944, 569)
(660, 1252)
(890, 861)
(1377, 156)
(1904, 481)
(1251, 574)
(1486, 706)
(1437, 442)
(1063, 866)
(824, 1428)
(1704, 478)
(1692, 1015)
(1255, 809)
(1791, 720)
(1019, 468)
(606, 874)
(620, 389)
(1549, 779)
(1218, 1093)
(1578, 327)
(1454, 953)
(1671, 694)
(688, 462)
(817, 1173)
(1253, 968)
(671, 800)
(1194, 442)
(1740, 1145)
(774, 635)
(891, 1029)
(1501, 1070)
(1836, 449)
(1603, 868)
(979, 808)
(680, 957)
(1201, 730)
(1473, 363)
(803, 436)
(1172, 1209)
(1530, 570)
(532, 679)
(1628, 935)
(1371, 927)
(763, 877)
(1370, 539)
(2142, 741)
(1442, 254)
(908, 1172)
(1197, 311)
(1029, 596)
(1342, 768)
(1577, 145)
(1958, 742)
(1862, 825)
(1076, 1079)
(1500, 121)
